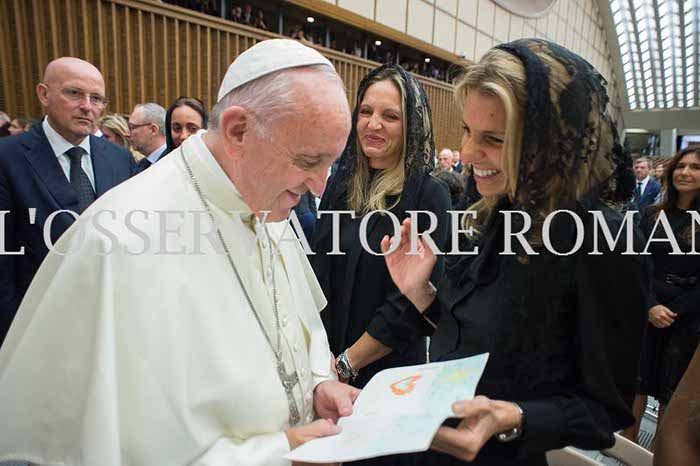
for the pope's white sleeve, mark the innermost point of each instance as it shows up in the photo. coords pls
(318, 378)
(260, 450)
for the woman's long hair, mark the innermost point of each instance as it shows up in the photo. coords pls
(669, 203)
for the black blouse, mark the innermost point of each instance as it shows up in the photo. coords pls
(361, 295)
(561, 332)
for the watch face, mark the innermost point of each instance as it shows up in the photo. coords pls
(342, 370)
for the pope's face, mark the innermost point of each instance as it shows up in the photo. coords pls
(298, 150)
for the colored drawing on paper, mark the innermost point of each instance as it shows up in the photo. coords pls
(459, 375)
(404, 386)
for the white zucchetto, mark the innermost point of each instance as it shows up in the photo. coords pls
(267, 57)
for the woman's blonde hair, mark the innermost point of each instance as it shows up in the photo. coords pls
(501, 74)
(383, 192)
(119, 126)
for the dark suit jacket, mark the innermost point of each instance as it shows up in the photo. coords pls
(31, 177)
(648, 196)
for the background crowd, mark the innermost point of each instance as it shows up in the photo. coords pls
(244, 13)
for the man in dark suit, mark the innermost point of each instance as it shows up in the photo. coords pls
(647, 187)
(456, 161)
(58, 165)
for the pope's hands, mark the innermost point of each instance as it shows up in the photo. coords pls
(482, 418)
(333, 400)
(661, 317)
(297, 436)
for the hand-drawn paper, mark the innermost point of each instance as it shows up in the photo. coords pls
(399, 411)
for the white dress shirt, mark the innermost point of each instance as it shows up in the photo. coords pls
(60, 146)
(156, 154)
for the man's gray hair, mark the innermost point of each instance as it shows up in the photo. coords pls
(4, 118)
(643, 159)
(153, 113)
(268, 98)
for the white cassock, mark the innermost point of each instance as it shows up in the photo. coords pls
(124, 359)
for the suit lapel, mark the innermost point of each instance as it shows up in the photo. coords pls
(104, 175)
(41, 157)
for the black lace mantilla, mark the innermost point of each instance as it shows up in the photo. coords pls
(420, 146)
(559, 138)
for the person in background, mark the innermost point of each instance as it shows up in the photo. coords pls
(559, 332)
(147, 130)
(184, 118)
(674, 301)
(455, 183)
(444, 160)
(456, 161)
(56, 168)
(260, 20)
(115, 129)
(248, 17)
(647, 187)
(237, 14)
(659, 170)
(385, 166)
(4, 124)
(20, 125)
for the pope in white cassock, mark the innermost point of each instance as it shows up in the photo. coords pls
(163, 338)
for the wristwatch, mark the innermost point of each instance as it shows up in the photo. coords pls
(345, 370)
(515, 432)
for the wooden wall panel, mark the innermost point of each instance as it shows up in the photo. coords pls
(152, 52)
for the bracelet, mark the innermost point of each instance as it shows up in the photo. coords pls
(345, 370)
(515, 432)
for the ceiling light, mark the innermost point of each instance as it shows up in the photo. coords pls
(310, 19)
(427, 60)
(378, 43)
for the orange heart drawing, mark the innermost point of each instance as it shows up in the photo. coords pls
(405, 386)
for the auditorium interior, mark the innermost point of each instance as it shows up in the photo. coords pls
(648, 52)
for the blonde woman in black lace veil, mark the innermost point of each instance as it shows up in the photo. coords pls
(561, 328)
(386, 166)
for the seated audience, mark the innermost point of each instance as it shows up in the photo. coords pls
(237, 14)
(260, 21)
